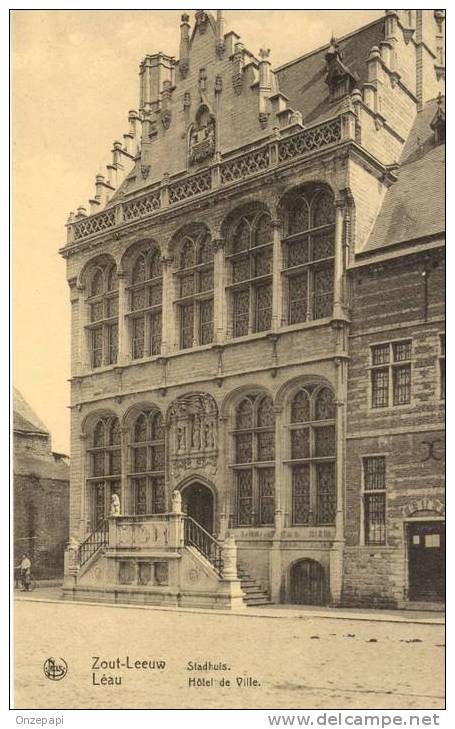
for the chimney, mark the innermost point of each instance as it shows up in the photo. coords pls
(184, 58)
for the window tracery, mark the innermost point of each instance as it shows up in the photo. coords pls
(312, 456)
(195, 284)
(145, 303)
(254, 438)
(102, 327)
(309, 250)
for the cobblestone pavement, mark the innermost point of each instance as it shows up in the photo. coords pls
(309, 663)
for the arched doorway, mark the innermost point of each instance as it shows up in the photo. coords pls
(197, 502)
(307, 583)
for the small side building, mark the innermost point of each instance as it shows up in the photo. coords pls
(41, 494)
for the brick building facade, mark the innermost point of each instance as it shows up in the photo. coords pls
(257, 311)
(40, 496)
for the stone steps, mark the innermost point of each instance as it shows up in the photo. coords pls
(254, 594)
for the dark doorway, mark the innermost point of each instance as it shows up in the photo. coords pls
(426, 551)
(308, 584)
(197, 501)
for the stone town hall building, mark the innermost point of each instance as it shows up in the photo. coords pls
(258, 327)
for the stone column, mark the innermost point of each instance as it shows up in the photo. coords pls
(229, 555)
(280, 483)
(84, 336)
(84, 520)
(126, 505)
(176, 537)
(123, 335)
(219, 294)
(277, 283)
(336, 554)
(167, 316)
(339, 260)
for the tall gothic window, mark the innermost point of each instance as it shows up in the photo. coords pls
(309, 250)
(254, 469)
(105, 466)
(195, 290)
(250, 257)
(102, 304)
(312, 446)
(147, 463)
(145, 304)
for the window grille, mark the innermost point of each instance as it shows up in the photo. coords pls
(195, 284)
(250, 256)
(309, 250)
(312, 456)
(105, 466)
(145, 303)
(147, 463)
(254, 438)
(102, 302)
(374, 499)
(391, 374)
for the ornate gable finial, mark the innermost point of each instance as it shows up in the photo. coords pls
(202, 20)
(339, 78)
(438, 123)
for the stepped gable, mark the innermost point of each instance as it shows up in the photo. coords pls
(414, 206)
(303, 81)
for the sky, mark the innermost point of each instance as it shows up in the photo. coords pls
(74, 78)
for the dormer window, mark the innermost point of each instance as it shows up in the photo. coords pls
(438, 123)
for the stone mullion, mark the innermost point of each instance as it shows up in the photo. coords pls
(168, 309)
(125, 484)
(339, 260)
(219, 293)
(277, 280)
(84, 499)
(123, 344)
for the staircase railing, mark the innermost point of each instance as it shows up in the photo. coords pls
(97, 539)
(196, 536)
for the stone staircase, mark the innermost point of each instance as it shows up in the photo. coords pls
(254, 594)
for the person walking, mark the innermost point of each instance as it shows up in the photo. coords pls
(25, 568)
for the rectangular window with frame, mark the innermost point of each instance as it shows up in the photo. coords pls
(374, 499)
(391, 374)
(241, 312)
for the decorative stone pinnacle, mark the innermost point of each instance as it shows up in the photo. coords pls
(185, 18)
(374, 53)
(264, 53)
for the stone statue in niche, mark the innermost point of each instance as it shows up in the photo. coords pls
(202, 137)
(193, 421)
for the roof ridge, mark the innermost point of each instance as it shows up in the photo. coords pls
(327, 45)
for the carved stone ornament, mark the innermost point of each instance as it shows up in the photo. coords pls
(202, 137)
(263, 119)
(145, 171)
(193, 423)
(166, 118)
(184, 67)
(186, 100)
(237, 82)
(218, 84)
(202, 20)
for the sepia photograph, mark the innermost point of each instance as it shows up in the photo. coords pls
(228, 380)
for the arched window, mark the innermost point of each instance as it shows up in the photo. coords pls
(254, 469)
(147, 463)
(105, 467)
(195, 289)
(250, 256)
(145, 297)
(102, 301)
(309, 250)
(312, 456)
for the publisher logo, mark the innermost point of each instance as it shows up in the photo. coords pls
(55, 669)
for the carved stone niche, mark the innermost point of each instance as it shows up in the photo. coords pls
(193, 423)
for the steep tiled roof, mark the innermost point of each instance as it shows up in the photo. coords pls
(413, 207)
(24, 418)
(303, 80)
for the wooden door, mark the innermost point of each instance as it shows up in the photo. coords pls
(308, 583)
(426, 552)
